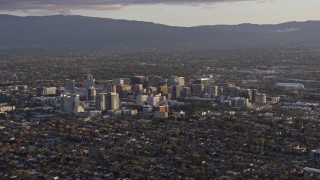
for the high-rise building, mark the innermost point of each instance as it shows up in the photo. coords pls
(247, 93)
(111, 88)
(88, 81)
(101, 101)
(91, 94)
(123, 90)
(241, 103)
(260, 98)
(118, 81)
(69, 103)
(140, 80)
(176, 81)
(113, 101)
(107, 101)
(197, 89)
(212, 90)
(176, 91)
(39, 91)
(254, 93)
(232, 90)
(69, 85)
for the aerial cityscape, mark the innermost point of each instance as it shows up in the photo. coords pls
(101, 98)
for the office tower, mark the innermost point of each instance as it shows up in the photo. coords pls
(176, 81)
(176, 91)
(39, 91)
(91, 94)
(69, 103)
(242, 103)
(107, 101)
(197, 89)
(212, 90)
(247, 93)
(140, 80)
(123, 90)
(101, 101)
(254, 92)
(118, 82)
(113, 101)
(260, 98)
(111, 88)
(88, 81)
(232, 90)
(69, 85)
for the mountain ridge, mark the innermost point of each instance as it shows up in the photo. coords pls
(60, 30)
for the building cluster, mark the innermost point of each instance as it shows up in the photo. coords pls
(138, 95)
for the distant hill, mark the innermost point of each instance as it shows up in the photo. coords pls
(79, 31)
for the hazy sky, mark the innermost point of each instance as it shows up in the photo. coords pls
(174, 12)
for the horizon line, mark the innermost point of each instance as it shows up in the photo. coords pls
(133, 20)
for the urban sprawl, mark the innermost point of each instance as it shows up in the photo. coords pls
(154, 127)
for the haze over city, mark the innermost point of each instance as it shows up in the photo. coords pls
(173, 12)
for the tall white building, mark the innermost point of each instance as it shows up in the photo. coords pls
(113, 101)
